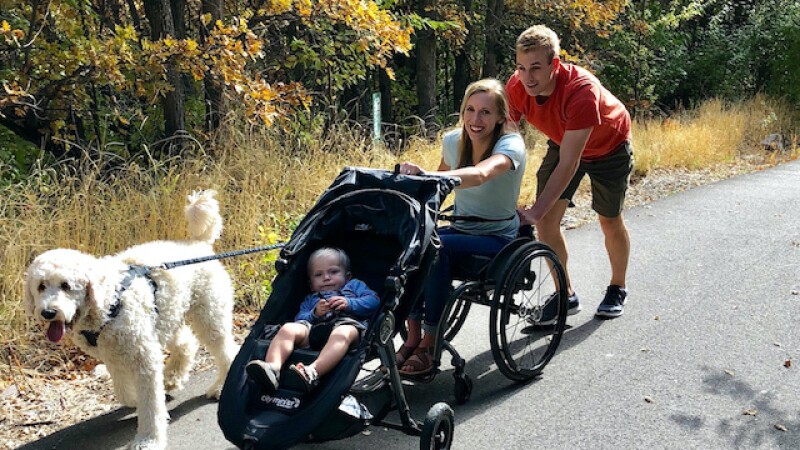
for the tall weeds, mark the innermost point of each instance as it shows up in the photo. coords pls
(716, 132)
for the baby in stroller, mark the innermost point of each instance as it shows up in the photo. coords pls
(331, 319)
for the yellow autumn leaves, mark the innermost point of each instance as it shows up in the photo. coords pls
(11, 35)
(233, 50)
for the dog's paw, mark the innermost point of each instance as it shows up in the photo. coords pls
(101, 372)
(147, 443)
(214, 392)
(175, 384)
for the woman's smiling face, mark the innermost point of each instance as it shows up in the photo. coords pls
(481, 116)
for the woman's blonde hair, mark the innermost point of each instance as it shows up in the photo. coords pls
(498, 91)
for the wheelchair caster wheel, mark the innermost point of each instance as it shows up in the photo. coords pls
(462, 388)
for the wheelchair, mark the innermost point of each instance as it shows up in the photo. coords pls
(516, 284)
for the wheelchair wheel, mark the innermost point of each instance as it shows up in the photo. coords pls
(521, 345)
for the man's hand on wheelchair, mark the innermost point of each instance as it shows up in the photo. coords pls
(525, 214)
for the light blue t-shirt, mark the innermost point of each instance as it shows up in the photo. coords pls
(495, 199)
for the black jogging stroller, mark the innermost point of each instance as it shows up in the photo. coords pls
(387, 225)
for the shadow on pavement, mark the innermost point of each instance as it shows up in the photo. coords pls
(494, 387)
(575, 335)
(746, 430)
(117, 428)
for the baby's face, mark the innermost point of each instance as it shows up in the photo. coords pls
(327, 274)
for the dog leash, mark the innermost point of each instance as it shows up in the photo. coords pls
(186, 262)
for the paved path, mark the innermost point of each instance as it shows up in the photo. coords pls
(712, 317)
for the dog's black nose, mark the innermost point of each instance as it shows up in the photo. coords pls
(48, 314)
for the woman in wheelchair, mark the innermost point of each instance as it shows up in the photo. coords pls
(488, 155)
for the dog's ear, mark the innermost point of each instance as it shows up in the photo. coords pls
(28, 302)
(101, 282)
(96, 289)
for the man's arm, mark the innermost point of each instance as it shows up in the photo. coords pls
(570, 153)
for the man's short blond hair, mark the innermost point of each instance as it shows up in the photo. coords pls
(539, 36)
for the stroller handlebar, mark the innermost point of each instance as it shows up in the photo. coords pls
(455, 180)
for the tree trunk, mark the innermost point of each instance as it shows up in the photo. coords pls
(385, 87)
(463, 73)
(137, 23)
(426, 71)
(494, 20)
(178, 9)
(159, 14)
(212, 85)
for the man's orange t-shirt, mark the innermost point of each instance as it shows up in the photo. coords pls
(579, 101)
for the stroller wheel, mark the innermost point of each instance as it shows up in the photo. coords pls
(438, 429)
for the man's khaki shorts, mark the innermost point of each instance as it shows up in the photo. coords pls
(609, 177)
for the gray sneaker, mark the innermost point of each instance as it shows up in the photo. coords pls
(550, 310)
(613, 303)
(262, 373)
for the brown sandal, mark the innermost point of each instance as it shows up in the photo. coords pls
(419, 363)
(403, 354)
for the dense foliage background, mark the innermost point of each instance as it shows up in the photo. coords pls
(106, 79)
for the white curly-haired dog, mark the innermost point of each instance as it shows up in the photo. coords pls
(128, 317)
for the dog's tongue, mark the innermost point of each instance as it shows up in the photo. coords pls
(56, 331)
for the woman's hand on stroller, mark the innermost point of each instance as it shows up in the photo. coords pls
(409, 168)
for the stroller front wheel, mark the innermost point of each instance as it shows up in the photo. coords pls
(438, 429)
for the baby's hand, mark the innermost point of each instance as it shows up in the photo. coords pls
(338, 303)
(323, 307)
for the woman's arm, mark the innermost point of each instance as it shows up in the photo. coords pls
(471, 176)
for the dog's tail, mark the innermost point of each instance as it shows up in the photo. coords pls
(202, 216)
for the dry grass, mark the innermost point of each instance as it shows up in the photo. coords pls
(716, 132)
(267, 182)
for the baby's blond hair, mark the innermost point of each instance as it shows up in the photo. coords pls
(344, 260)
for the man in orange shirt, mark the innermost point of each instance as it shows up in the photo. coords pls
(589, 133)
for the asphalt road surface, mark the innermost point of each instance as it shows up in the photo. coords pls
(698, 361)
